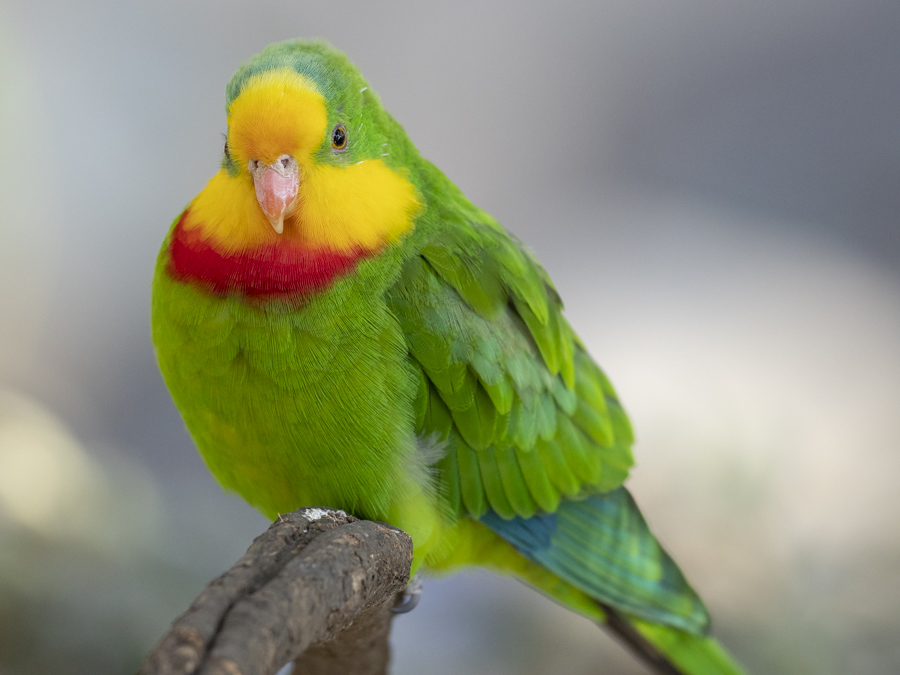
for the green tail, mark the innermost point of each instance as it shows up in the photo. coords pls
(669, 650)
(599, 555)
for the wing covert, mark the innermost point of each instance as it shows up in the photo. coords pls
(527, 416)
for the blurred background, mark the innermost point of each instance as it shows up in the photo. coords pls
(714, 188)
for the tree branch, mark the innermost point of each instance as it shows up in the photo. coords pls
(304, 581)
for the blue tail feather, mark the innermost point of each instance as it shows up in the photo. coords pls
(602, 545)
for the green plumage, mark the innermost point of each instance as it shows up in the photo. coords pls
(436, 386)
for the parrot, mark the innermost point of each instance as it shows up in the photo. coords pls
(338, 325)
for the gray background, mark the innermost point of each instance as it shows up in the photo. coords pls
(714, 188)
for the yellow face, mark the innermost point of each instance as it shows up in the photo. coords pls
(343, 208)
(278, 112)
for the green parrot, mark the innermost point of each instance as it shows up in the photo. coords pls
(338, 325)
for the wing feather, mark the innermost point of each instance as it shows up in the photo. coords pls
(527, 415)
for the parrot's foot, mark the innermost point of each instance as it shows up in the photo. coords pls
(407, 601)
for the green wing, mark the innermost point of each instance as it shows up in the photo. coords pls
(527, 417)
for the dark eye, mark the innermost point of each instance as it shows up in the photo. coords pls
(339, 137)
(227, 154)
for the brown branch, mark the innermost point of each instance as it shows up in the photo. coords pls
(362, 649)
(304, 581)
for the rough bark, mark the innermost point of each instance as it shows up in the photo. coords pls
(362, 649)
(311, 575)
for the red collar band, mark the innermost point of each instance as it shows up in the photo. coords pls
(282, 268)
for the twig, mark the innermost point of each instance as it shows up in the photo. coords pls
(311, 575)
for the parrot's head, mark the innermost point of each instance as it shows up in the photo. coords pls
(313, 168)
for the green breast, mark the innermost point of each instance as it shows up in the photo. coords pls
(291, 404)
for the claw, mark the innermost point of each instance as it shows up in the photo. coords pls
(407, 601)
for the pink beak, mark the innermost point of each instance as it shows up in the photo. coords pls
(276, 188)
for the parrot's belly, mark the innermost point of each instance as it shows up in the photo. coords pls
(293, 407)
